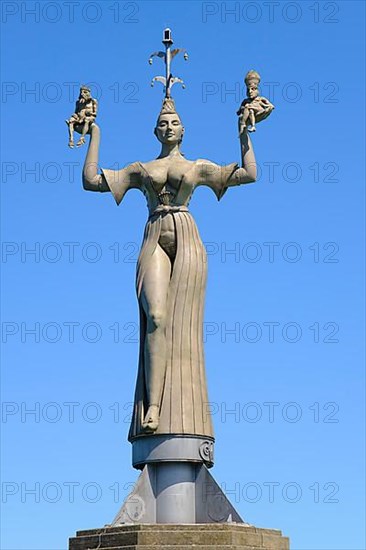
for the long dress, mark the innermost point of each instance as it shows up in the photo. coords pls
(184, 406)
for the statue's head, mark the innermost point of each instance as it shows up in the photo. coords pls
(169, 128)
(252, 80)
(85, 92)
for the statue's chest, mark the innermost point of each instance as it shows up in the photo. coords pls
(87, 105)
(167, 177)
(168, 182)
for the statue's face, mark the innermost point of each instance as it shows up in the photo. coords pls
(252, 91)
(84, 94)
(169, 129)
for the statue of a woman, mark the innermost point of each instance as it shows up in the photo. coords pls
(171, 394)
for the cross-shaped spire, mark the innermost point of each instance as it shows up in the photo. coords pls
(168, 80)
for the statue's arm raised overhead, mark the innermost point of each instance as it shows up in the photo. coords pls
(219, 178)
(116, 181)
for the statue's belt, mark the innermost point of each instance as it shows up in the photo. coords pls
(164, 209)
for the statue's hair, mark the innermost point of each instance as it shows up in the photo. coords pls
(83, 87)
(252, 76)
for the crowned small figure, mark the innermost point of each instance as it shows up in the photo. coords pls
(85, 114)
(254, 107)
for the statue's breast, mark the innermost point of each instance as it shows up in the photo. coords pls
(168, 183)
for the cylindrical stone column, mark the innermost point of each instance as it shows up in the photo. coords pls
(175, 492)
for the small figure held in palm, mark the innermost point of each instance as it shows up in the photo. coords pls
(85, 114)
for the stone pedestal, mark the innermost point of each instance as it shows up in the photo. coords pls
(176, 492)
(229, 536)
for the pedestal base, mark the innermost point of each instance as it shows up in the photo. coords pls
(176, 492)
(180, 537)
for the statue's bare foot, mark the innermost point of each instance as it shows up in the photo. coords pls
(80, 142)
(71, 144)
(151, 420)
(252, 129)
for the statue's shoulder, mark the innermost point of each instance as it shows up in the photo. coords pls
(205, 166)
(214, 175)
(136, 168)
(188, 165)
(201, 163)
(144, 169)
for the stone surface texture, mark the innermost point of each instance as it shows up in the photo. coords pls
(228, 536)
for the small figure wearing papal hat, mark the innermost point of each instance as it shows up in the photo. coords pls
(86, 109)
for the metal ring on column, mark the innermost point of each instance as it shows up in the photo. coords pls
(172, 448)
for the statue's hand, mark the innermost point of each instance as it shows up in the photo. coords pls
(94, 129)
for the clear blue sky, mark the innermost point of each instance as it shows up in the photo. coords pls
(290, 454)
